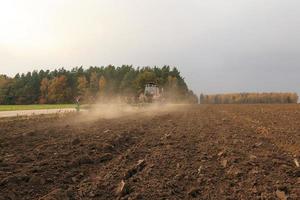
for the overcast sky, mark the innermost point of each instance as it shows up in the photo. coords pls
(218, 45)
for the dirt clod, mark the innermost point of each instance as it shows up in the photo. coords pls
(105, 157)
(76, 141)
(55, 195)
(35, 180)
(296, 162)
(224, 162)
(194, 192)
(135, 169)
(29, 133)
(252, 157)
(281, 195)
(234, 172)
(122, 189)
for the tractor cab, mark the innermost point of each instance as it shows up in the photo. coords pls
(151, 89)
(152, 93)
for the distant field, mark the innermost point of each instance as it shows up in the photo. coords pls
(35, 107)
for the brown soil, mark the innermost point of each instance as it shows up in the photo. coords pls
(194, 152)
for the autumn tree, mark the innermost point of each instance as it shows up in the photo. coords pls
(58, 91)
(44, 91)
(82, 86)
(102, 85)
(94, 84)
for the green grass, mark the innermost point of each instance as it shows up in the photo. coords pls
(35, 107)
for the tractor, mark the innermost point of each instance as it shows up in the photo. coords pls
(152, 94)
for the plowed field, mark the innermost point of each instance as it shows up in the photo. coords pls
(191, 152)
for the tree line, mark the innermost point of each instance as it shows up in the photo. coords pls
(249, 98)
(63, 86)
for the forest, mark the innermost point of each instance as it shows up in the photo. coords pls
(91, 84)
(249, 98)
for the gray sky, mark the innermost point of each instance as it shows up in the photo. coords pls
(218, 45)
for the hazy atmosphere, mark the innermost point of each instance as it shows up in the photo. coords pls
(219, 46)
(149, 99)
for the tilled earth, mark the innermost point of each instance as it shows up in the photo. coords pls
(194, 152)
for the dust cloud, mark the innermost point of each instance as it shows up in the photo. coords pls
(117, 110)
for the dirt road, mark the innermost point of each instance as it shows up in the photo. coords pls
(193, 152)
(33, 112)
